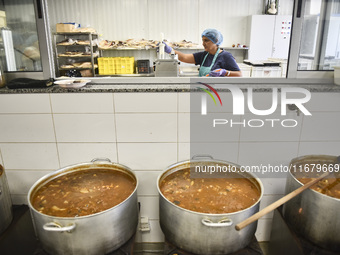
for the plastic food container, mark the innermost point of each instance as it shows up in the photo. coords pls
(106, 66)
(116, 65)
(246, 69)
(125, 65)
(143, 66)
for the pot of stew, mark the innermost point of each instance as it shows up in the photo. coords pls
(6, 214)
(198, 213)
(87, 208)
(314, 214)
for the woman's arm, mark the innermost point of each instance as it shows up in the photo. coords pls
(186, 58)
(234, 74)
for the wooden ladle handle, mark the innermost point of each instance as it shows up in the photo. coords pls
(279, 202)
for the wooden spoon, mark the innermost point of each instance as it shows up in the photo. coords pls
(279, 202)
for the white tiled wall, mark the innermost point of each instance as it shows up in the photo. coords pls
(147, 132)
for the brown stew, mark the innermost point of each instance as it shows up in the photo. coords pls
(329, 186)
(83, 193)
(209, 195)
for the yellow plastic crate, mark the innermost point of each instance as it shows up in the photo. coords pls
(125, 65)
(106, 66)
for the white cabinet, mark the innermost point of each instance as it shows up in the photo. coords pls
(269, 36)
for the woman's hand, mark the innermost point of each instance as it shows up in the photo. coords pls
(167, 48)
(218, 73)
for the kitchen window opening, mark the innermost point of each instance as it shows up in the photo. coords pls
(292, 43)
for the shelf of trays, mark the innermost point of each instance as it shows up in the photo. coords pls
(73, 47)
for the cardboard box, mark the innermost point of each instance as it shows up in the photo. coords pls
(66, 27)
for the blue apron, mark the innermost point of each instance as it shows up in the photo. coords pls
(204, 70)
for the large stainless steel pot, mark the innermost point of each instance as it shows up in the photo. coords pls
(203, 233)
(98, 233)
(313, 215)
(6, 213)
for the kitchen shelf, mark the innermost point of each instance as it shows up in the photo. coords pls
(73, 45)
(102, 51)
(90, 47)
(83, 56)
(75, 68)
(76, 33)
(191, 48)
(127, 48)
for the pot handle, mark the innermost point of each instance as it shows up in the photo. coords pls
(100, 159)
(221, 223)
(53, 226)
(202, 156)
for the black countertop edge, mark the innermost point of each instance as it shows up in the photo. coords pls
(143, 88)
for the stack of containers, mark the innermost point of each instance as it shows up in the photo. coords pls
(246, 69)
(283, 65)
(143, 66)
(116, 65)
(125, 65)
(264, 68)
(106, 66)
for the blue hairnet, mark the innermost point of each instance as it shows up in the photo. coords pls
(213, 35)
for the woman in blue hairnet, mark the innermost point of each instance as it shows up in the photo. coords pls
(214, 61)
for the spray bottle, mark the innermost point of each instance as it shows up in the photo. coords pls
(161, 48)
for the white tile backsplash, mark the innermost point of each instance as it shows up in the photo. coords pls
(321, 102)
(20, 182)
(26, 128)
(25, 103)
(19, 199)
(82, 103)
(213, 103)
(33, 156)
(319, 148)
(85, 127)
(154, 236)
(227, 151)
(147, 183)
(202, 130)
(1, 161)
(145, 102)
(323, 126)
(274, 186)
(184, 127)
(263, 230)
(184, 102)
(271, 128)
(149, 206)
(147, 156)
(183, 151)
(146, 127)
(150, 131)
(267, 200)
(74, 153)
(263, 101)
(265, 153)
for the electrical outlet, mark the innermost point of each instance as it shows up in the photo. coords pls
(144, 224)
